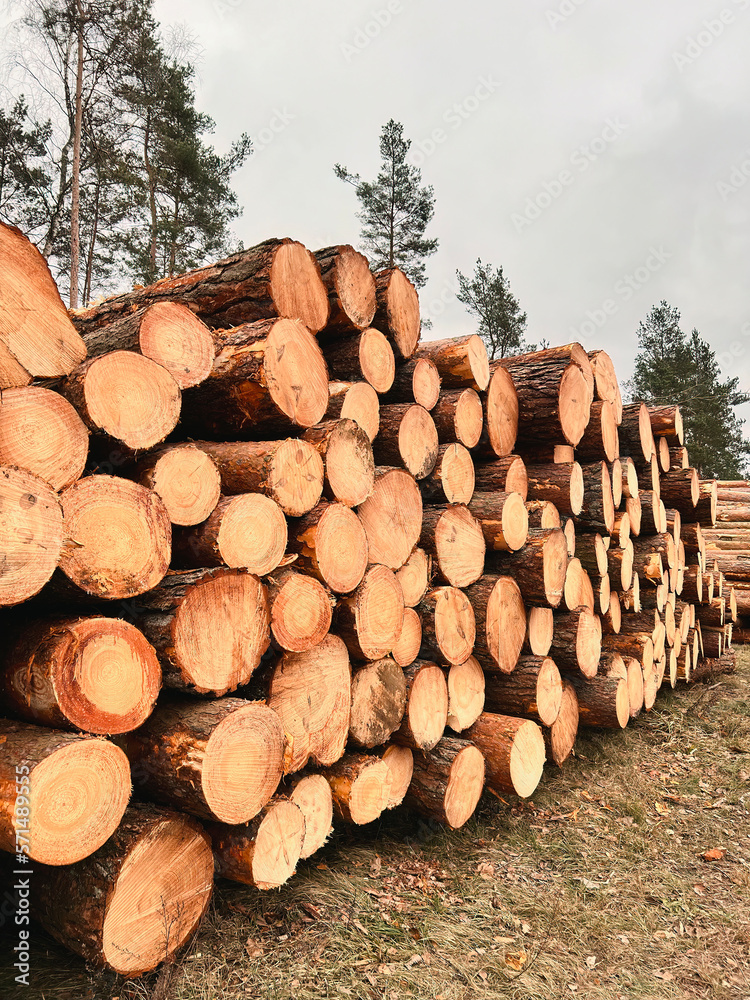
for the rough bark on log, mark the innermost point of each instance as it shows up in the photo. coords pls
(538, 568)
(397, 312)
(448, 625)
(504, 475)
(513, 751)
(560, 484)
(603, 702)
(350, 286)
(533, 690)
(265, 852)
(415, 381)
(459, 416)
(331, 544)
(553, 399)
(461, 361)
(577, 642)
(407, 437)
(598, 509)
(503, 518)
(357, 400)
(361, 787)
(447, 782)
(600, 439)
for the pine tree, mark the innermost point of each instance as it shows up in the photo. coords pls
(672, 367)
(487, 295)
(395, 208)
(24, 175)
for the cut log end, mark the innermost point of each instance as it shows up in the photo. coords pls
(378, 702)
(501, 412)
(398, 310)
(174, 337)
(464, 788)
(465, 694)
(31, 534)
(301, 611)
(297, 288)
(188, 482)
(392, 517)
(376, 360)
(409, 642)
(560, 737)
(312, 794)
(400, 761)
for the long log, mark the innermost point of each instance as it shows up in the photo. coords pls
(500, 622)
(218, 760)
(452, 479)
(504, 475)
(369, 619)
(513, 751)
(459, 416)
(331, 544)
(448, 782)
(426, 714)
(538, 568)
(533, 690)
(397, 312)
(414, 381)
(350, 286)
(378, 702)
(360, 786)
(96, 674)
(560, 484)
(600, 439)
(503, 518)
(553, 399)
(357, 400)
(138, 899)
(42, 433)
(392, 517)
(62, 795)
(265, 852)
(349, 464)
(454, 537)
(278, 277)
(448, 625)
(598, 510)
(407, 437)
(31, 534)
(461, 361)
(577, 642)
(187, 479)
(603, 701)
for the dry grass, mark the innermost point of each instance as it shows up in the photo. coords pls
(596, 888)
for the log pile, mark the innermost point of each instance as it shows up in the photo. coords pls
(726, 549)
(280, 564)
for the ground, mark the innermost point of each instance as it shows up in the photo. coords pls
(627, 875)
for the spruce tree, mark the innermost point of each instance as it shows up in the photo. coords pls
(487, 296)
(672, 367)
(395, 208)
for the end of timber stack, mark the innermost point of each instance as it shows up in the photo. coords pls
(271, 562)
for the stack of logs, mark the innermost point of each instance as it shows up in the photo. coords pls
(728, 547)
(274, 560)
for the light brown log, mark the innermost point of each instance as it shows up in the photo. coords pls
(219, 760)
(461, 361)
(167, 333)
(137, 900)
(538, 568)
(415, 381)
(544, 452)
(117, 537)
(126, 398)
(600, 438)
(598, 509)
(448, 625)
(454, 537)
(561, 484)
(300, 607)
(539, 630)
(96, 674)
(500, 622)
(579, 590)
(711, 615)
(713, 642)
(636, 692)
(311, 694)
(678, 458)
(397, 312)
(636, 436)
(243, 532)
(653, 513)
(42, 433)
(560, 737)
(706, 505)
(407, 437)
(361, 787)
(415, 576)
(465, 694)
(426, 714)
(692, 586)
(542, 514)
(357, 400)
(409, 642)
(378, 702)
(533, 690)
(513, 750)
(634, 512)
(37, 337)
(267, 379)
(62, 795)
(648, 475)
(630, 488)
(265, 852)
(553, 399)
(569, 530)
(662, 448)
(573, 353)
(186, 478)
(350, 287)
(680, 490)
(606, 385)
(459, 416)
(592, 555)
(639, 646)
(447, 782)
(331, 544)
(452, 479)
(349, 464)
(365, 356)
(616, 474)
(312, 793)
(739, 513)
(278, 277)
(400, 761)
(603, 702)
(666, 422)
(501, 416)
(630, 600)
(503, 518)
(289, 472)
(31, 534)
(369, 619)
(504, 475)
(392, 517)
(209, 628)
(620, 567)
(611, 617)
(577, 642)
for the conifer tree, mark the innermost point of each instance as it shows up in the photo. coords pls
(487, 296)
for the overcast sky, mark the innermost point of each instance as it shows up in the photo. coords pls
(598, 150)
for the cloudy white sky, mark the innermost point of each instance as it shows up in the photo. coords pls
(598, 150)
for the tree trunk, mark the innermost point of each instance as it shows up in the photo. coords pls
(219, 760)
(603, 702)
(666, 422)
(209, 628)
(350, 287)
(42, 433)
(553, 399)
(538, 568)
(456, 540)
(378, 702)
(415, 381)
(513, 751)
(276, 278)
(331, 545)
(600, 439)
(503, 518)
(636, 436)
(363, 356)
(357, 400)
(167, 333)
(452, 479)
(592, 554)
(392, 517)
(426, 714)
(186, 478)
(465, 694)
(577, 642)
(98, 674)
(461, 361)
(361, 787)
(448, 625)
(301, 609)
(598, 509)
(397, 313)
(264, 853)
(31, 534)
(560, 484)
(369, 620)
(447, 782)
(533, 690)
(407, 437)
(135, 902)
(504, 475)
(500, 622)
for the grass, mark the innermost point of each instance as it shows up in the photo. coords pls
(597, 887)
